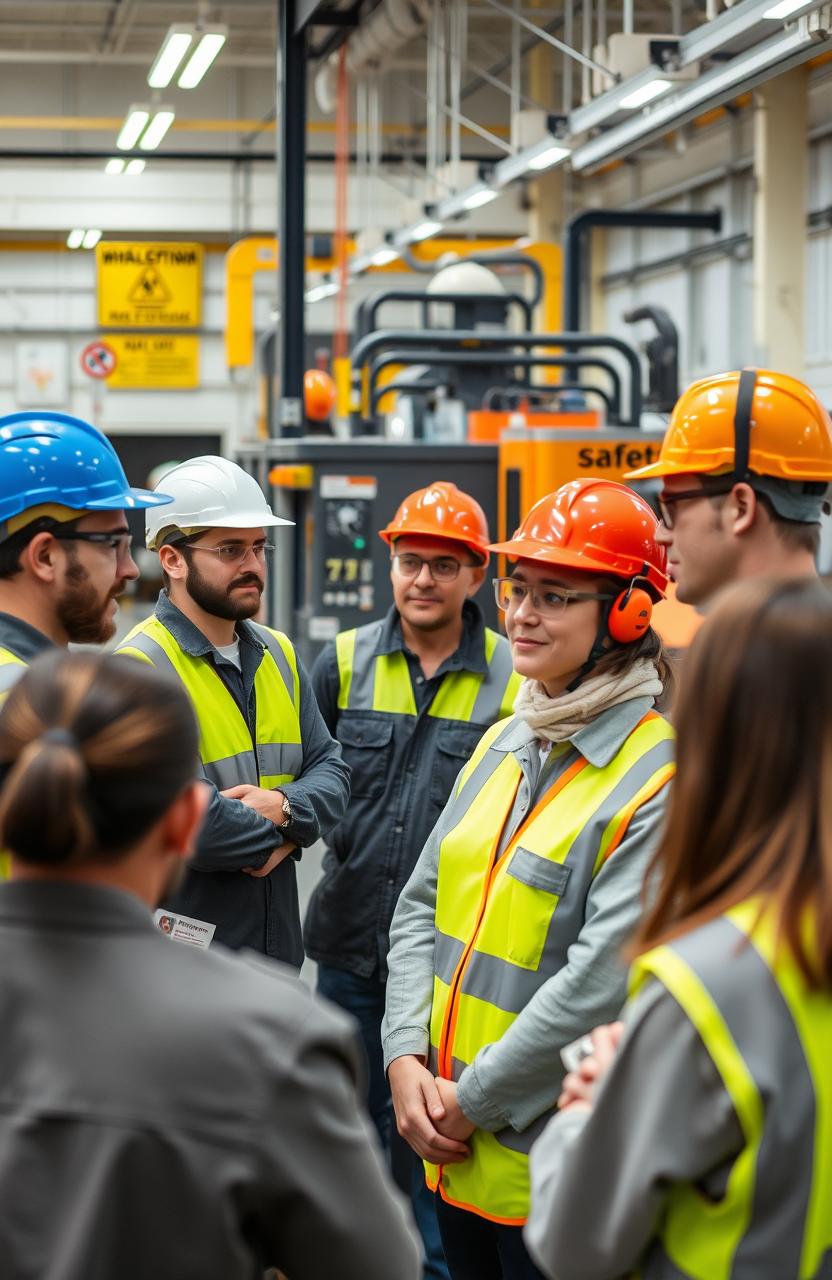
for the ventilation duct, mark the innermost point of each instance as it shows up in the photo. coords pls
(393, 24)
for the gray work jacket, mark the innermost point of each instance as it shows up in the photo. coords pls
(257, 912)
(175, 1114)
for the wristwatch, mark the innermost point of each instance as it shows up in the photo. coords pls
(287, 814)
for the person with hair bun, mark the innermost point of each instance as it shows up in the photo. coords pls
(696, 1140)
(167, 1110)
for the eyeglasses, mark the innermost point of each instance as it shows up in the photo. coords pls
(232, 552)
(511, 592)
(668, 500)
(117, 541)
(441, 569)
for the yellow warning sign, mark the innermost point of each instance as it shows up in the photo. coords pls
(154, 361)
(148, 284)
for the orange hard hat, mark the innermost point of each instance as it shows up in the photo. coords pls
(595, 525)
(319, 394)
(789, 432)
(441, 511)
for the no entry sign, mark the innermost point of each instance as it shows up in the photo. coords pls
(98, 359)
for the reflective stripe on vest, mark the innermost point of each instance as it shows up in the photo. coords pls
(504, 924)
(11, 669)
(381, 682)
(225, 745)
(770, 1039)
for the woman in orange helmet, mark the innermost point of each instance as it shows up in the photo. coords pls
(505, 943)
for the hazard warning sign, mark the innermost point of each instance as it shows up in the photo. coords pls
(149, 284)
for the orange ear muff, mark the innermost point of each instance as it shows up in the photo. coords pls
(630, 615)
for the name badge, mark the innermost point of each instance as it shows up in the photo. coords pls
(196, 933)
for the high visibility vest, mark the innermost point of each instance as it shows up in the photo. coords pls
(504, 923)
(11, 669)
(381, 682)
(770, 1040)
(228, 753)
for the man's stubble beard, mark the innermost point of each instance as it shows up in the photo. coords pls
(80, 609)
(217, 601)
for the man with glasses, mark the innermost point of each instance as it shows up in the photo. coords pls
(64, 541)
(745, 466)
(408, 697)
(278, 779)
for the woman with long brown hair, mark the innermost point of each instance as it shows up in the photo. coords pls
(697, 1142)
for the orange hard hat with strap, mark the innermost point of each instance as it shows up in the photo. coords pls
(753, 422)
(441, 510)
(599, 527)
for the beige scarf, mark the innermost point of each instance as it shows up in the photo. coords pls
(556, 719)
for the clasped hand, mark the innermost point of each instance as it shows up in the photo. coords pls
(428, 1114)
(578, 1088)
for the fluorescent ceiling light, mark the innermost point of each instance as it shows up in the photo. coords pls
(114, 166)
(382, 257)
(174, 47)
(133, 127)
(91, 238)
(552, 155)
(647, 92)
(423, 230)
(202, 57)
(134, 168)
(156, 130)
(479, 196)
(784, 9)
(321, 291)
(75, 238)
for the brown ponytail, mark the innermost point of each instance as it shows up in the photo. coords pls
(93, 750)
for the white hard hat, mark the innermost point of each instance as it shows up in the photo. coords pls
(209, 493)
(466, 278)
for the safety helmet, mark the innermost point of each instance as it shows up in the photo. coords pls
(598, 526)
(210, 493)
(441, 511)
(754, 422)
(53, 460)
(319, 395)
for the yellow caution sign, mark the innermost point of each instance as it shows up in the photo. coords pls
(154, 361)
(148, 284)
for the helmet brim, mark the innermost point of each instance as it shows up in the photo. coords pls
(545, 553)
(656, 470)
(427, 531)
(130, 500)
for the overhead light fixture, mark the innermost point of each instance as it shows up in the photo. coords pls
(320, 291)
(544, 154)
(478, 196)
(383, 257)
(133, 128)
(784, 9)
(91, 238)
(645, 93)
(115, 165)
(202, 57)
(744, 71)
(156, 130)
(75, 238)
(134, 168)
(175, 45)
(423, 230)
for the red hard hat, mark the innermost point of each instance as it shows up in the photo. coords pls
(595, 525)
(319, 394)
(441, 511)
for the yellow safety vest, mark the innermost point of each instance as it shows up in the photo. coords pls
(499, 932)
(770, 1039)
(228, 753)
(381, 682)
(11, 669)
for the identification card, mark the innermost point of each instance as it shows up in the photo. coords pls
(196, 933)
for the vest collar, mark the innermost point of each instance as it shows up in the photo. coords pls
(470, 654)
(22, 639)
(189, 637)
(598, 743)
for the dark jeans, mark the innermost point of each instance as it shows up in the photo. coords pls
(364, 999)
(477, 1249)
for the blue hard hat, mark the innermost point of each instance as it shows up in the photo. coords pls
(54, 458)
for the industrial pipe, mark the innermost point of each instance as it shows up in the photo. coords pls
(539, 393)
(365, 317)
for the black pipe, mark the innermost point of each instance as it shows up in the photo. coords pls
(291, 214)
(465, 337)
(497, 258)
(511, 359)
(538, 392)
(365, 319)
(577, 227)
